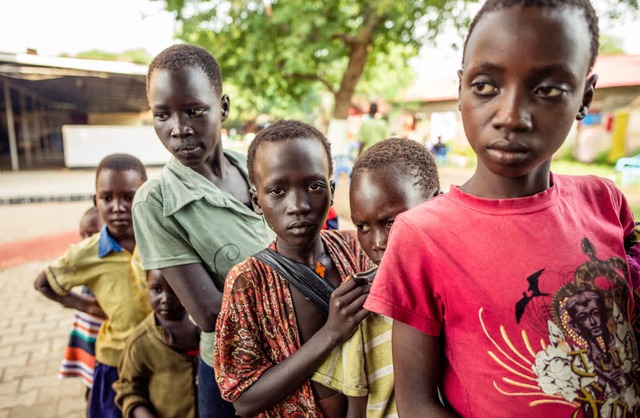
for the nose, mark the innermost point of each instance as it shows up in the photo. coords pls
(379, 240)
(298, 203)
(512, 113)
(180, 128)
(120, 204)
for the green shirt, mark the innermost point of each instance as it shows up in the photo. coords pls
(371, 132)
(181, 218)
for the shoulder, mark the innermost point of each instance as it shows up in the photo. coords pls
(588, 186)
(346, 236)
(149, 188)
(237, 159)
(245, 273)
(141, 331)
(84, 250)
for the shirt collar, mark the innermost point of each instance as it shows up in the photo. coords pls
(107, 243)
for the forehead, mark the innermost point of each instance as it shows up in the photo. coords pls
(155, 277)
(116, 180)
(187, 81)
(383, 187)
(537, 36)
(301, 156)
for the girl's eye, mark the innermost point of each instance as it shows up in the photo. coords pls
(549, 91)
(483, 88)
(276, 191)
(362, 228)
(194, 113)
(390, 223)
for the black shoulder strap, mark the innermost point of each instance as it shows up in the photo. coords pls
(301, 276)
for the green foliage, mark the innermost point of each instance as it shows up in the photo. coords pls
(610, 45)
(136, 56)
(289, 48)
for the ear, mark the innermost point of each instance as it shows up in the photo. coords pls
(225, 106)
(460, 73)
(254, 201)
(587, 96)
(332, 187)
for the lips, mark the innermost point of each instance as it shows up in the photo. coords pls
(120, 221)
(300, 227)
(508, 152)
(188, 150)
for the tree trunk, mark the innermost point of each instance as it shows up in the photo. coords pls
(359, 52)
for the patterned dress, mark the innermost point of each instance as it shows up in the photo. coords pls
(257, 326)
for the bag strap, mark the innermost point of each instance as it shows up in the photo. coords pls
(301, 276)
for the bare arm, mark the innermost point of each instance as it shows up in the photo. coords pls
(196, 291)
(345, 313)
(357, 407)
(142, 411)
(72, 300)
(416, 366)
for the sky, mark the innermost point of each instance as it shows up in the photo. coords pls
(53, 27)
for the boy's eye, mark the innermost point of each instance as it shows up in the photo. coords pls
(161, 116)
(315, 187)
(194, 113)
(483, 88)
(389, 223)
(276, 191)
(549, 91)
(363, 228)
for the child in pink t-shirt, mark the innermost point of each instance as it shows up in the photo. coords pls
(510, 294)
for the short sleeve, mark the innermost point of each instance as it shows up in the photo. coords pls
(405, 287)
(238, 356)
(71, 269)
(344, 369)
(160, 239)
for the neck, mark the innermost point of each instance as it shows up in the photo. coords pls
(307, 255)
(488, 185)
(213, 167)
(126, 241)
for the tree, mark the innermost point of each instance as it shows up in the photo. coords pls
(281, 48)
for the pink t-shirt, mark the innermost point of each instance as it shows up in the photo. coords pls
(531, 297)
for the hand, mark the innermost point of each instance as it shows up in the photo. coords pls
(92, 307)
(345, 308)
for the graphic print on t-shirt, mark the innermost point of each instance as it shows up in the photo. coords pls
(590, 362)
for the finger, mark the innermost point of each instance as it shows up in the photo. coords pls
(355, 306)
(361, 315)
(348, 298)
(349, 285)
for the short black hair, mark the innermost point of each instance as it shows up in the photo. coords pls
(584, 5)
(405, 155)
(180, 56)
(286, 130)
(122, 162)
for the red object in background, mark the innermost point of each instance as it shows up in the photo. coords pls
(608, 122)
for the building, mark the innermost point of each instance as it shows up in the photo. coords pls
(41, 95)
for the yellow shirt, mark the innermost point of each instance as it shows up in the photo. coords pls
(362, 366)
(117, 281)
